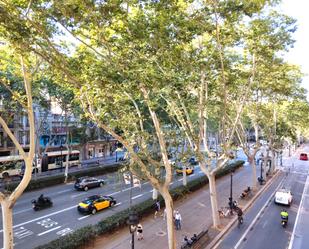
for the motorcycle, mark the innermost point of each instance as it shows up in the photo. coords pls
(284, 222)
(41, 203)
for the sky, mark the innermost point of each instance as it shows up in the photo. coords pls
(298, 9)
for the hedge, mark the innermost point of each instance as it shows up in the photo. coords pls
(47, 181)
(81, 237)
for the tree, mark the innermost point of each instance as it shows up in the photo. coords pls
(7, 199)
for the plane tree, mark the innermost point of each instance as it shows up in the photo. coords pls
(272, 77)
(16, 78)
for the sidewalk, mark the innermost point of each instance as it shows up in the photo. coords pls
(196, 216)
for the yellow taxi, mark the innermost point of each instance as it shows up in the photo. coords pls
(95, 203)
(189, 170)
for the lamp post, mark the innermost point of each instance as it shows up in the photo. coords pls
(231, 193)
(133, 217)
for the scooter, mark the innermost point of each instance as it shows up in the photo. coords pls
(284, 222)
(41, 204)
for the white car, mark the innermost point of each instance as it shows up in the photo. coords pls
(283, 196)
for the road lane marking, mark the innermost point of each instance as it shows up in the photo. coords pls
(117, 204)
(63, 191)
(298, 212)
(73, 196)
(84, 217)
(257, 216)
(137, 196)
(22, 211)
(48, 231)
(115, 193)
(42, 217)
(191, 175)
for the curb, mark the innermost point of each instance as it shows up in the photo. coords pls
(214, 242)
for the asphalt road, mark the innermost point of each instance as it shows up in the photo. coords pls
(262, 227)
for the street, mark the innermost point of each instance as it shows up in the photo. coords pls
(262, 227)
(36, 228)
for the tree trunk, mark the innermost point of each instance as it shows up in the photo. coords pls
(213, 200)
(7, 217)
(254, 177)
(169, 219)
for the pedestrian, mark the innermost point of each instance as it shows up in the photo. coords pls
(139, 232)
(164, 214)
(157, 208)
(178, 220)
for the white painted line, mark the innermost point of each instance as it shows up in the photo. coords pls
(257, 216)
(22, 211)
(42, 217)
(298, 212)
(48, 231)
(117, 204)
(84, 217)
(151, 191)
(137, 196)
(179, 180)
(171, 183)
(63, 191)
(73, 196)
(115, 193)
(191, 175)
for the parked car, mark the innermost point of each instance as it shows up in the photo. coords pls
(284, 197)
(189, 170)
(303, 156)
(95, 203)
(85, 183)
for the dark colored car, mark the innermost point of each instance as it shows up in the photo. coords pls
(85, 183)
(95, 203)
(193, 161)
(303, 156)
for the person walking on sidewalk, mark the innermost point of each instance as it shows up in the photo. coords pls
(157, 208)
(178, 220)
(139, 232)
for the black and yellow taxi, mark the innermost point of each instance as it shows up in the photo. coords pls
(189, 170)
(95, 203)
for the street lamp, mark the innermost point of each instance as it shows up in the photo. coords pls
(231, 192)
(132, 222)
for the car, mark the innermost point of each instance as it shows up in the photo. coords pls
(189, 170)
(284, 197)
(95, 203)
(303, 156)
(85, 183)
(193, 161)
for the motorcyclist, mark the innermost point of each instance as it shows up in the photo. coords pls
(284, 215)
(41, 199)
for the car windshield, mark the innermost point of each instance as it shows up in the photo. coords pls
(91, 199)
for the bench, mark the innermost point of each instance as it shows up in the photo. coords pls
(199, 243)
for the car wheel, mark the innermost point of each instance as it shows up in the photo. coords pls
(94, 211)
(5, 175)
(86, 188)
(101, 184)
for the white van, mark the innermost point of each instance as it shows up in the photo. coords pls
(283, 196)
